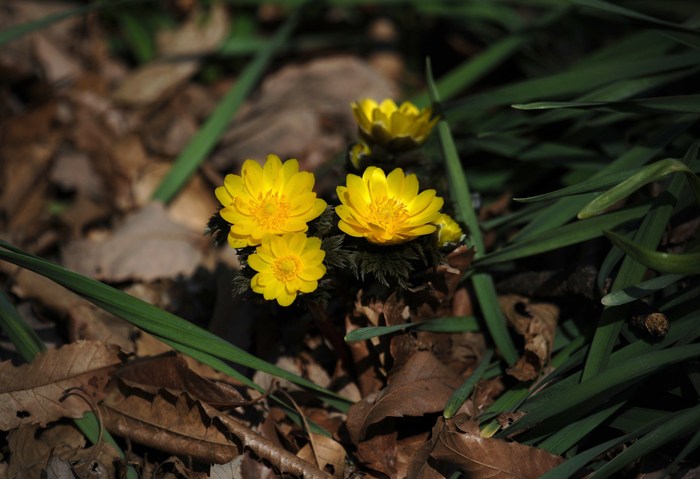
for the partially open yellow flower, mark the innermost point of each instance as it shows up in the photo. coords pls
(448, 229)
(275, 199)
(358, 151)
(287, 265)
(386, 209)
(393, 127)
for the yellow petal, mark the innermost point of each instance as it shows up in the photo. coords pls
(257, 263)
(308, 286)
(272, 178)
(223, 196)
(395, 182)
(252, 174)
(285, 299)
(297, 242)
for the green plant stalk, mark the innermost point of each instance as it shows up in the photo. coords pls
(28, 345)
(209, 134)
(631, 272)
(483, 283)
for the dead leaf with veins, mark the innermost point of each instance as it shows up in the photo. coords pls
(35, 393)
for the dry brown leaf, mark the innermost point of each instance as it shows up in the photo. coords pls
(33, 393)
(146, 247)
(171, 372)
(177, 61)
(379, 453)
(457, 446)
(32, 446)
(282, 459)
(422, 386)
(537, 323)
(177, 425)
(295, 105)
(326, 453)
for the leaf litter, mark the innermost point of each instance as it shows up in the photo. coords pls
(79, 163)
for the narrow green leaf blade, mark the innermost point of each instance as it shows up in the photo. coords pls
(462, 393)
(669, 263)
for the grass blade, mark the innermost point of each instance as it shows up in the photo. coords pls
(483, 284)
(679, 425)
(669, 263)
(668, 104)
(462, 393)
(640, 290)
(641, 17)
(563, 236)
(604, 385)
(455, 324)
(646, 175)
(208, 135)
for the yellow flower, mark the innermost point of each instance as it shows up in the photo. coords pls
(272, 199)
(287, 265)
(386, 209)
(393, 127)
(448, 229)
(357, 152)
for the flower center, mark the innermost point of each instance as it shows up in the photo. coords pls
(286, 268)
(388, 213)
(270, 211)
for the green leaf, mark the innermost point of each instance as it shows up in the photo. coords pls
(641, 17)
(648, 174)
(640, 290)
(457, 324)
(667, 104)
(462, 393)
(601, 387)
(156, 321)
(483, 284)
(209, 134)
(669, 263)
(565, 209)
(679, 425)
(596, 183)
(563, 236)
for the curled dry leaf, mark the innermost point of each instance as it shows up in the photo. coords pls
(35, 393)
(176, 424)
(422, 386)
(537, 323)
(327, 453)
(146, 247)
(457, 446)
(31, 446)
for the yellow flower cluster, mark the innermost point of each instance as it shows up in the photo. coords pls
(269, 206)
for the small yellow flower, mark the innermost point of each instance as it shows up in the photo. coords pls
(275, 199)
(357, 152)
(287, 265)
(386, 209)
(448, 229)
(393, 127)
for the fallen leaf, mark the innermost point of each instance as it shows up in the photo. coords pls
(294, 106)
(457, 446)
(178, 58)
(537, 323)
(422, 386)
(147, 246)
(32, 446)
(172, 373)
(175, 424)
(34, 393)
